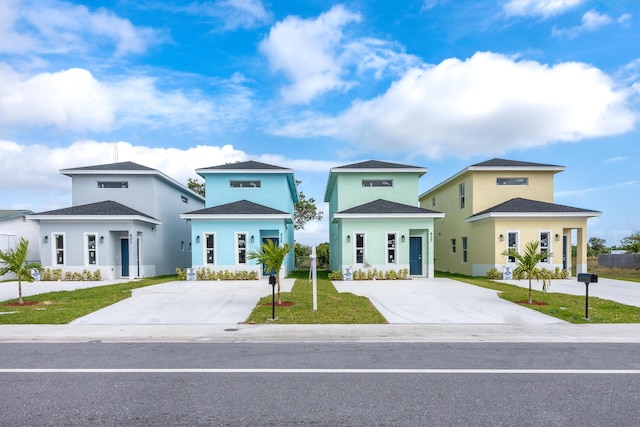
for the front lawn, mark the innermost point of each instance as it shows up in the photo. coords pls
(333, 307)
(65, 306)
(570, 308)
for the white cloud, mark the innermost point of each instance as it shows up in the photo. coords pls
(538, 8)
(591, 21)
(74, 99)
(608, 188)
(486, 105)
(307, 52)
(61, 27)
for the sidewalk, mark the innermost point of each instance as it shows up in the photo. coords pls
(241, 333)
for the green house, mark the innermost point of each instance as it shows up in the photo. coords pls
(375, 219)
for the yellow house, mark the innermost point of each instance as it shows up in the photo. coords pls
(500, 204)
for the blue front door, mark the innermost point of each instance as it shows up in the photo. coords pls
(276, 241)
(124, 255)
(415, 256)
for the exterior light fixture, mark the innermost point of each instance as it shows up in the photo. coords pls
(252, 239)
(101, 239)
(402, 238)
(557, 237)
(502, 237)
(348, 238)
(45, 239)
(197, 239)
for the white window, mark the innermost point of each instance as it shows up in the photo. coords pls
(245, 184)
(464, 249)
(512, 243)
(91, 248)
(545, 244)
(453, 246)
(391, 248)
(462, 195)
(210, 248)
(113, 184)
(433, 202)
(242, 248)
(359, 248)
(512, 181)
(58, 247)
(377, 183)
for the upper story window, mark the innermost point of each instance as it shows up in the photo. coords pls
(113, 184)
(377, 183)
(462, 195)
(512, 181)
(245, 184)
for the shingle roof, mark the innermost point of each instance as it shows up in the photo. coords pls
(377, 164)
(248, 165)
(242, 207)
(105, 208)
(121, 166)
(524, 206)
(382, 206)
(511, 163)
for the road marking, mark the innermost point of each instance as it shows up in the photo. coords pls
(315, 371)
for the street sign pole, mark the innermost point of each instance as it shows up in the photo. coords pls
(314, 278)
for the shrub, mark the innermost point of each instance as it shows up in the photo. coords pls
(97, 275)
(335, 275)
(494, 274)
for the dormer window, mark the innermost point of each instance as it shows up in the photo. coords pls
(512, 181)
(377, 183)
(113, 184)
(245, 184)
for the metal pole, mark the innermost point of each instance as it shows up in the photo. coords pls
(313, 279)
(273, 302)
(586, 305)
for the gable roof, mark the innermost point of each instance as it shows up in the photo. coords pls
(499, 165)
(242, 209)
(107, 209)
(248, 166)
(386, 209)
(129, 168)
(519, 207)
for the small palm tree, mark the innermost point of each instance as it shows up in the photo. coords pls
(16, 263)
(528, 262)
(271, 256)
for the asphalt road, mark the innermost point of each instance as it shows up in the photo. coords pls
(332, 384)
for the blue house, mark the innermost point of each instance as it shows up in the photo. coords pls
(247, 203)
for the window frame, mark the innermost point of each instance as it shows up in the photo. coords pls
(462, 194)
(377, 183)
(546, 248)
(513, 181)
(245, 183)
(241, 252)
(112, 185)
(453, 245)
(391, 251)
(88, 249)
(206, 249)
(55, 249)
(516, 246)
(362, 248)
(465, 249)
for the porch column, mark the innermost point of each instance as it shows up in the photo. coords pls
(581, 251)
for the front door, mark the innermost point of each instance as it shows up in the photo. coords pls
(265, 240)
(415, 256)
(124, 256)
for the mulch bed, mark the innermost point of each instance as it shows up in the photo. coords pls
(526, 302)
(282, 304)
(15, 304)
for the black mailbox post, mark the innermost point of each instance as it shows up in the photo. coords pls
(587, 278)
(272, 282)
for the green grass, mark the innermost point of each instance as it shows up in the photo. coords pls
(333, 307)
(570, 308)
(64, 306)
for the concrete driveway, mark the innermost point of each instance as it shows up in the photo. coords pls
(182, 302)
(441, 301)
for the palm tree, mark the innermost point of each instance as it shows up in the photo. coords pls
(528, 262)
(271, 256)
(16, 263)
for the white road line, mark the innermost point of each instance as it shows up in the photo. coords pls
(317, 371)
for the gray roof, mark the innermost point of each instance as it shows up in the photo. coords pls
(121, 166)
(520, 206)
(248, 165)
(106, 208)
(382, 206)
(493, 163)
(377, 164)
(242, 207)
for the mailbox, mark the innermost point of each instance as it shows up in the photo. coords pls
(272, 280)
(587, 278)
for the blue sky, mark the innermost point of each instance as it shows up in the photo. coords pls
(311, 85)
